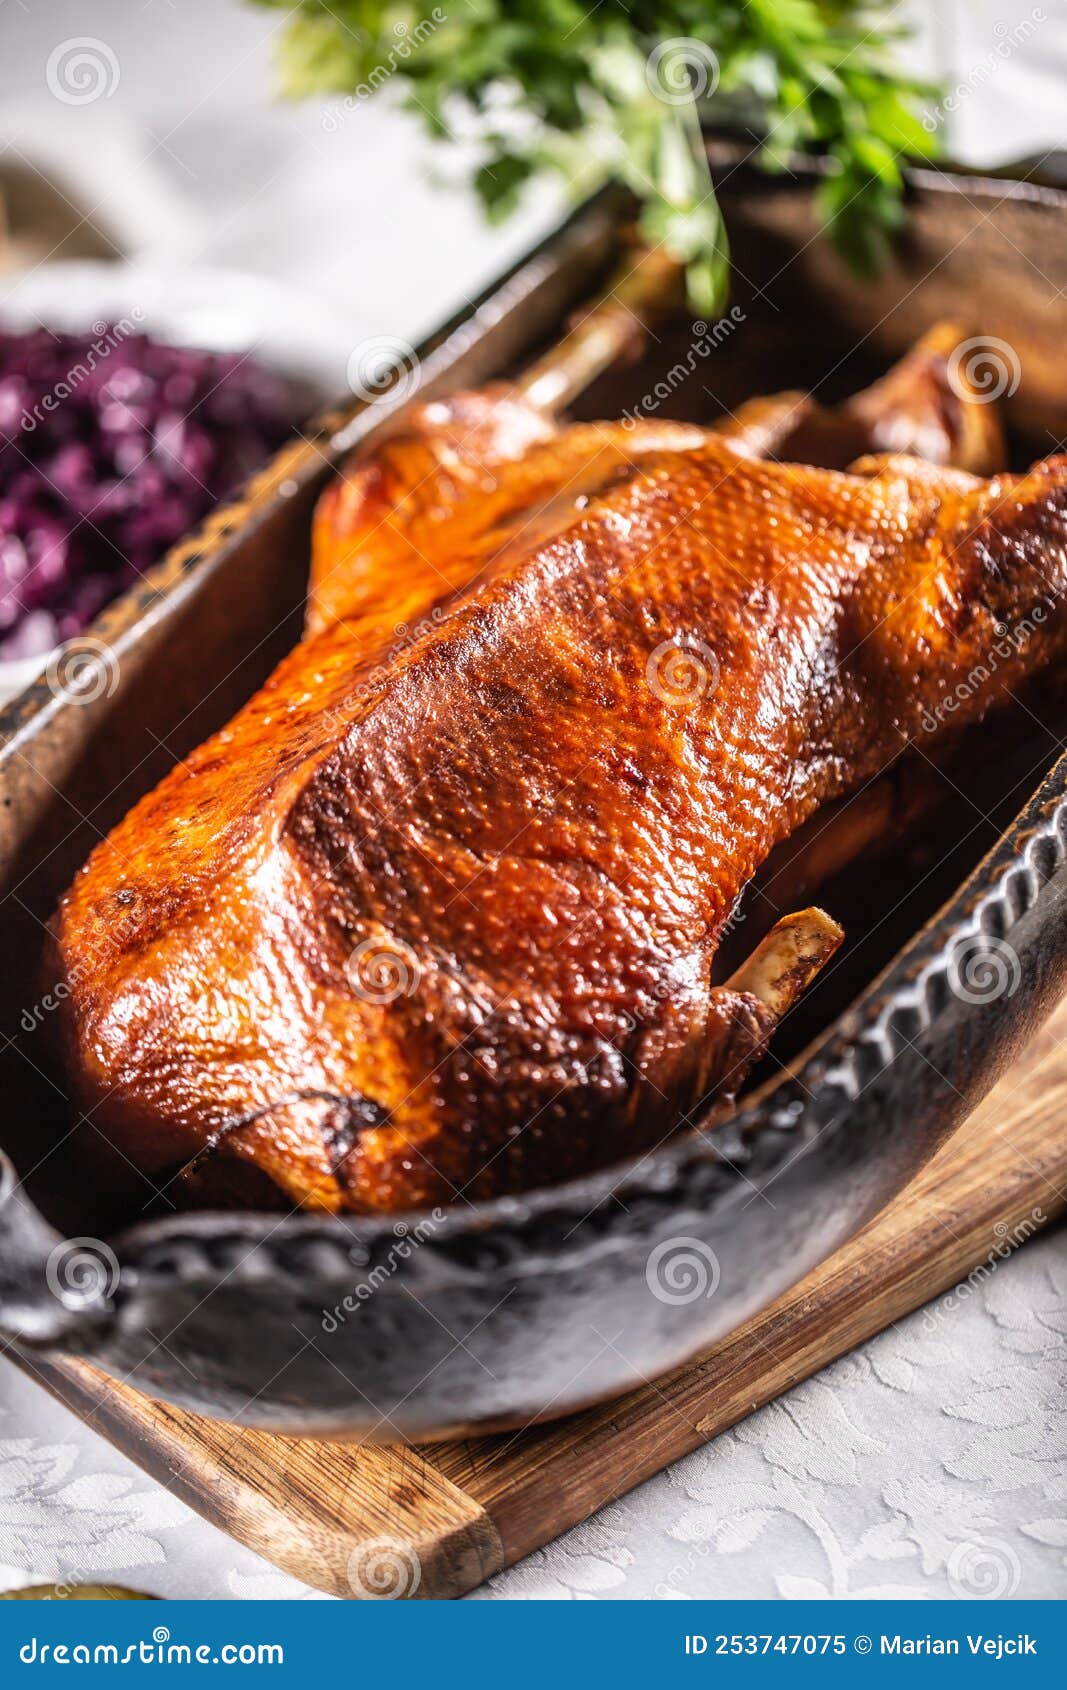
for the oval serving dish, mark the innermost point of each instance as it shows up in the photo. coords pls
(500, 1313)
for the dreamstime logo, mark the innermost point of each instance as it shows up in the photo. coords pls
(31, 1018)
(158, 1650)
(984, 968)
(1007, 1238)
(681, 70)
(706, 339)
(405, 635)
(81, 1271)
(382, 970)
(983, 369)
(1009, 643)
(682, 671)
(107, 337)
(1007, 38)
(82, 70)
(405, 42)
(682, 1270)
(382, 1569)
(104, 945)
(985, 1568)
(82, 671)
(670, 1586)
(384, 364)
(406, 1240)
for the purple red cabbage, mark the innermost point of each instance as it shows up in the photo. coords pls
(112, 446)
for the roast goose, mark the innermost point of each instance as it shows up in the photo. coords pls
(434, 918)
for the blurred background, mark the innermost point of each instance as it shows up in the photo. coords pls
(188, 159)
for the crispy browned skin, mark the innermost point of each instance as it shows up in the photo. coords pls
(426, 512)
(423, 514)
(472, 879)
(924, 406)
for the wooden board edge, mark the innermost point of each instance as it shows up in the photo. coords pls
(436, 1557)
(458, 1513)
(860, 1290)
(522, 1529)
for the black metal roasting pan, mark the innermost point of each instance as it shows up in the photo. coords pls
(503, 1312)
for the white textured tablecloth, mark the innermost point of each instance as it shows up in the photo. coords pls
(931, 1462)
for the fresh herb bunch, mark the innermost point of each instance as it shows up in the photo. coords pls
(615, 89)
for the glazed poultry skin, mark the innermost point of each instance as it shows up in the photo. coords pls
(434, 916)
(422, 514)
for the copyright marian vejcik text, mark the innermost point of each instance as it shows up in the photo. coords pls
(994, 1646)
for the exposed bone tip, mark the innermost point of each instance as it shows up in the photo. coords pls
(642, 289)
(787, 959)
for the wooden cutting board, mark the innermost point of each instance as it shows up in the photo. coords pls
(437, 1520)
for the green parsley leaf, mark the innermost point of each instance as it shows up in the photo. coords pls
(621, 90)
